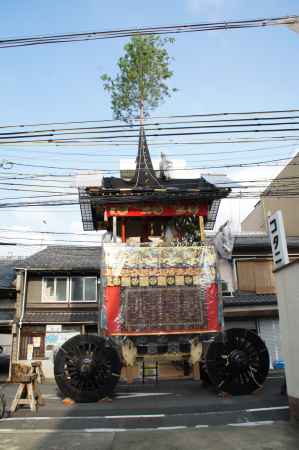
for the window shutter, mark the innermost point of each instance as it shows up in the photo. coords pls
(246, 276)
(265, 282)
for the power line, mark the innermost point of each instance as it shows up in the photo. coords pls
(154, 126)
(51, 244)
(53, 140)
(127, 32)
(240, 195)
(198, 157)
(169, 154)
(168, 117)
(104, 170)
(45, 232)
(53, 193)
(233, 184)
(94, 143)
(132, 126)
(252, 195)
(32, 185)
(54, 240)
(178, 169)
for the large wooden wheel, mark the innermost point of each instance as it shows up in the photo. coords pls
(86, 368)
(237, 361)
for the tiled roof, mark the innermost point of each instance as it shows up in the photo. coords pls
(62, 257)
(251, 299)
(7, 273)
(60, 316)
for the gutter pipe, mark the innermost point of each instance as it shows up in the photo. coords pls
(22, 312)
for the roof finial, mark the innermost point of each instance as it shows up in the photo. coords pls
(145, 175)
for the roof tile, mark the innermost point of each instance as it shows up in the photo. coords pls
(65, 258)
(250, 299)
(60, 316)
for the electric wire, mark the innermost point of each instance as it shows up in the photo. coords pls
(168, 117)
(160, 30)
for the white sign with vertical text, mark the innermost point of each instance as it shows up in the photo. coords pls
(278, 240)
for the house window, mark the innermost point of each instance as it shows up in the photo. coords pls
(34, 341)
(83, 289)
(55, 289)
(74, 289)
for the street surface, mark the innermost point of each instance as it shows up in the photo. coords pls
(183, 403)
(170, 415)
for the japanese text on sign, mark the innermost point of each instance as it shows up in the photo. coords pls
(278, 240)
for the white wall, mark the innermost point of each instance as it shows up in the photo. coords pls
(287, 282)
(226, 272)
(5, 342)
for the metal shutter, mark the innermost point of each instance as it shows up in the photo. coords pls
(269, 332)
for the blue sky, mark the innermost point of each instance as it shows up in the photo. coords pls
(214, 71)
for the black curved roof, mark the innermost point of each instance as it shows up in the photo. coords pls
(146, 187)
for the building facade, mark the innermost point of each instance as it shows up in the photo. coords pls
(7, 313)
(57, 298)
(249, 290)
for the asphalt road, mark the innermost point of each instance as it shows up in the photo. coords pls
(168, 405)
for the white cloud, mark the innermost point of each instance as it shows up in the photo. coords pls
(22, 222)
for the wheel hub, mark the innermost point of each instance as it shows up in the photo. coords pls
(239, 359)
(86, 366)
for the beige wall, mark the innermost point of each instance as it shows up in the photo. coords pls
(287, 178)
(256, 220)
(290, 212)
(34, 290)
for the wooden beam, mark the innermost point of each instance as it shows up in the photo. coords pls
(123, 231)
(201, 228)
(114, 223)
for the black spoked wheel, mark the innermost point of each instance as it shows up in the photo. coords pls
(2, 405)
(204, 376)
(86, 368)
(237, 361)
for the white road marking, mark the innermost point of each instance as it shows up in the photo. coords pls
(144, 416)
(270, 408)
(132, 416)
(47, 430)
(251, 424)
(11, 430)
(51, 397)
(135, 416)
(143, 394)
(11, 419)
(120, 396)
(90, 430)
(201, 426)
(104, 430)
